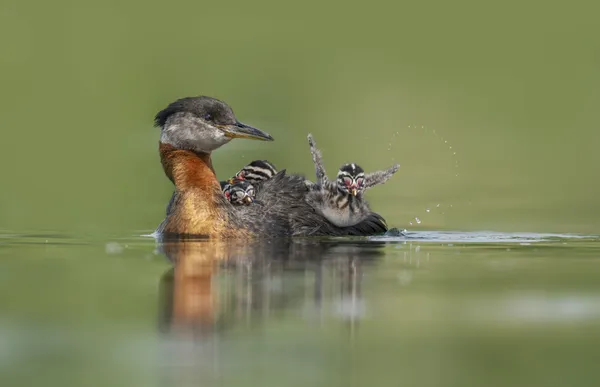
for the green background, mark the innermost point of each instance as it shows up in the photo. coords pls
(513, 86)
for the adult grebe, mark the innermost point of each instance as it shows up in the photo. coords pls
(193, 127)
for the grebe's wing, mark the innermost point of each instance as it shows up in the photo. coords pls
(379, 177)
(318, 161)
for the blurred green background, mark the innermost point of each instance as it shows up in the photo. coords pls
(513, 86)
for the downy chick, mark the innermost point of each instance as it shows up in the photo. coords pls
(239, 193)
(240, 189)
(341, 201)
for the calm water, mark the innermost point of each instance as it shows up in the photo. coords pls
(428, 309)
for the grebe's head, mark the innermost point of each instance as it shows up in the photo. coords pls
(202, 124)
(351, 179)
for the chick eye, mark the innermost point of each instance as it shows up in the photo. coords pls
(347, 181)
(207, 116)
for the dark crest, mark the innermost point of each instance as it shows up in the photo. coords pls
(244, 185)
(207, 108)
(351, 169)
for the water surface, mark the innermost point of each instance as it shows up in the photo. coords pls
(428, 309)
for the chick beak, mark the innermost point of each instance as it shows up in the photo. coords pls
(240, 130)
(248, 199)
(354, 191)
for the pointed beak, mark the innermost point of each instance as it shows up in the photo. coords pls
(248, 199)
(354, 191)
(240, 130)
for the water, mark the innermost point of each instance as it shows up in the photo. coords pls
(425, 309)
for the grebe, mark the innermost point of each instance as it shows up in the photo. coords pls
(341, 201)
(193, 127)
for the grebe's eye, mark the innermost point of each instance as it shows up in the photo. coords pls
(347, 181)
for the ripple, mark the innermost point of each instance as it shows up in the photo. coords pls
(481, 237)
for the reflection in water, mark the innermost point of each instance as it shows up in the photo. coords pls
(216, 286)
(256, 280)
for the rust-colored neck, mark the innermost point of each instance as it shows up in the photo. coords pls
(199, 209)
(187, 169)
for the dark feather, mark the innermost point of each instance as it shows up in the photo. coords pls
(209, 108)
(285, 212)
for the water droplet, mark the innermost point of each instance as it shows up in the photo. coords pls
(422, 126)
(438, 205)
(457, 175)
(427, 210)
(451, 205)
(450, 148)
(410, 223)
(417, 249)
(445, 142)
(409, 126)
(418, 220)
(454, 153)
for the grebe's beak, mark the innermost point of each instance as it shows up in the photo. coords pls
(239, 130)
